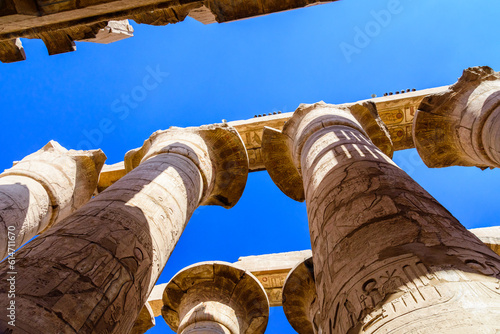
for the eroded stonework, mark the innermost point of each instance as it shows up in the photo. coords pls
(42, 189)
(60, 23)
(461, 126)
(94, 271)
(387, 256)
(215, 297)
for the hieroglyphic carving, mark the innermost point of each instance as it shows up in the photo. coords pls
(273, 284)
(387, 256)
(93, 272)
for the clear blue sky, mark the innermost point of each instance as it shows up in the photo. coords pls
(235, 70)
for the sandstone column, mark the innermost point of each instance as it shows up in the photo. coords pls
(93, 272)
(387, 256)
(461, 127)
(300, 298)
(215, 297)
(42, 189)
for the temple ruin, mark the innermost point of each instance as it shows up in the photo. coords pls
(386, 256)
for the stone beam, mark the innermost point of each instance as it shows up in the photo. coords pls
(397, 112)
(60, 23)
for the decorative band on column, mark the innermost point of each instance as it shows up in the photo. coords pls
(282, 153)
(215, 297)
(461, 127)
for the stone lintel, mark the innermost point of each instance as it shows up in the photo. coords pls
(144, 321)
(22, 18)
(110, 174)
(490, 236)
(396, 111)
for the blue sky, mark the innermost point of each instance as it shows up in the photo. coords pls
(236, 70)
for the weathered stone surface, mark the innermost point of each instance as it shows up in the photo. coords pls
(387, 256)
(271, 270)
(461, 126)
(110, 174)
(144, 321)
(93, 272)
(282, 155)
(490, 236)
(113, 32)
(11, 51)
(215, 297)
(56, 21)
(300, 298)
(42, 189)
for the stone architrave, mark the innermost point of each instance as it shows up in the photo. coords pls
(387, 256)
(215, 297)
(461, 126)
(93, 272)
(42, 189)
(300, 298)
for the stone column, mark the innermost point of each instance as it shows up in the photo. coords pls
(215, 297)
(93, 272)
(387, 256)
(42, 189)
(300, 298)
(461, 127)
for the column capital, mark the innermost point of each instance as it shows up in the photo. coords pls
(454, 128)
(217, 150)
(282, 150)
(216, 292)
(145, 320)
(299, 296)
(68, 176)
